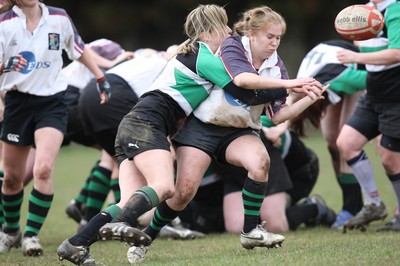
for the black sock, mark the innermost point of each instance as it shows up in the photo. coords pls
(90, 232)
(351, 190)
(299, 214)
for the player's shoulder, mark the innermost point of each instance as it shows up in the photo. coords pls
(235, 40)
(342, 44)
(393, 9)
(54, 11)
(7, 16)
(396, 4)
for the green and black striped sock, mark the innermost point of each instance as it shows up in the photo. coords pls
(12, 211)
(162, 216)
(1, 203)
(82, 196)
(114, 184)
(98, 189)
(253, 194)
(39, 206)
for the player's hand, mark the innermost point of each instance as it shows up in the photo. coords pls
(104, 89)
(312, 89)
(123, 57)
(273, 134)
(293, 83)
(14, 63)
(316, 94)
(345, 56)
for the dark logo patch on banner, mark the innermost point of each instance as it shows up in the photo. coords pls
(54, 41)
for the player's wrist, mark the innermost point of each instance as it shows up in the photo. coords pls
(103, 78)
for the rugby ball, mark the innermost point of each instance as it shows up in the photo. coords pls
(359, 22)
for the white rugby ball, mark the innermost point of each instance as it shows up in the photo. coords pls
(359, 22)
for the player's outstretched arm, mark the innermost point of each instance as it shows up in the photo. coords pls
(291, 111)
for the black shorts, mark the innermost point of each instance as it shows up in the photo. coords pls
(101, 121)
(147, 125)
(75, 129)
(209, 138)
(278, 176)
(25, 113)
(303, 166)
(373, 118)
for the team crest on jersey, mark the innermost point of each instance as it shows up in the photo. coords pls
(54, 41)
(13, 42)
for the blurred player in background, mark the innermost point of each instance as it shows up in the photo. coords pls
(377, 113)
(347, 83)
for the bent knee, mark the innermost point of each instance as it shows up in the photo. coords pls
(43, 171)
(12, 184)
(184, 197)
(259, 170)
(168, 193)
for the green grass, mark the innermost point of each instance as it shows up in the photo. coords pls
(318, 246)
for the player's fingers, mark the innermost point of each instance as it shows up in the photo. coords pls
(311, 95)
(313, 91)
(103, 98)
(317, 84)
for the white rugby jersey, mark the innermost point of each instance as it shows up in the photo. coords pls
(41, 48)
(78, 75)
(320, 56)
(140, 72)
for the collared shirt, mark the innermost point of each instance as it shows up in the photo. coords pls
(42, 48)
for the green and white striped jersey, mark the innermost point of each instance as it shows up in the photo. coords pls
(388, 38)
(189, 79)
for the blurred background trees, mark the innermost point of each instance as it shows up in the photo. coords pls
(159, 23)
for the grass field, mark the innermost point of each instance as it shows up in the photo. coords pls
(318, 246)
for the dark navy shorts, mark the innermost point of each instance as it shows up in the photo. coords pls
(101, 121)
(75, 129)
(25, 113)
(209, 138)
(374, 118)
(147, 125)
(278, 176)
